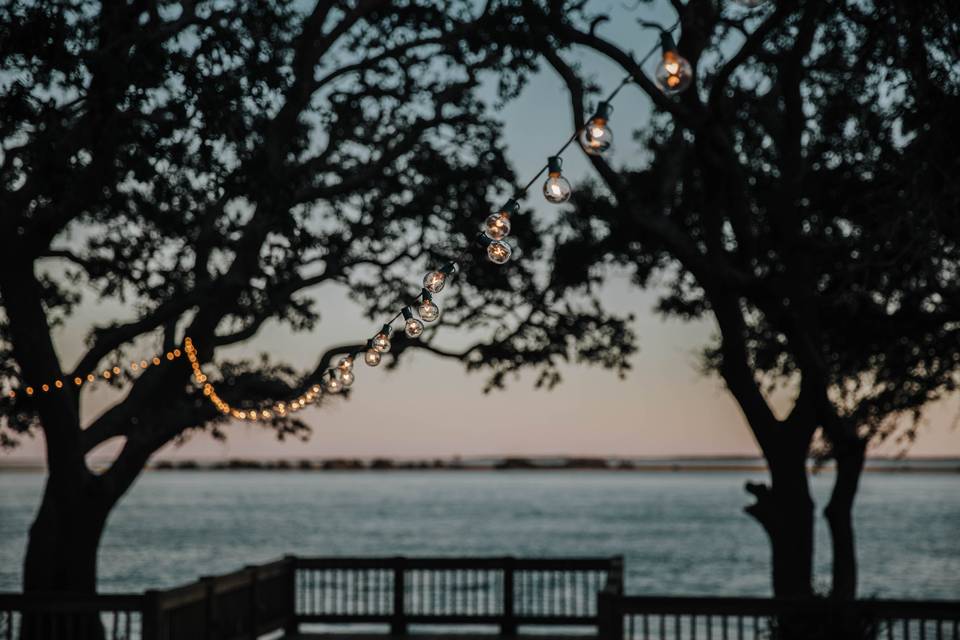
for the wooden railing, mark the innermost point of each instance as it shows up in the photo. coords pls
(71, 617)
(508, 593)
(680, 618)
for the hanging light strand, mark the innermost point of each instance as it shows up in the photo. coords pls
(336, 378)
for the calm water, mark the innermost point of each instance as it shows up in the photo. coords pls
(681, 533)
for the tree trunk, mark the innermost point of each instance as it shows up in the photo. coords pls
(785, 509)
(62, 555)
(839, 514)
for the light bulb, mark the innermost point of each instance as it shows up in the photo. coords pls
(498, 252)
(413, 328)
(674, 73)
(497, 226)
(346, 378)
(381, 343)
(345, 364)
(556, 189)
(372, 357)
(596, 138)
(428, 310)
(333, 385)
(434, 281)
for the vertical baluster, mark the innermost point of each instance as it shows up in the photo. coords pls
(939, 629)
(756, 627)
(739, 627)
(663, 626)
(709, 627)
(127, 631)
(646, 627)
(113, 625)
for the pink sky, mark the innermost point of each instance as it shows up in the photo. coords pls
(429, 407)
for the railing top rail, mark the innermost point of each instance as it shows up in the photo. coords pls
(930, 609)
(38, 601)
(442, 562)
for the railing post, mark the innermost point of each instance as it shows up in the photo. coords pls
(254, 624)
(290, 625)
(150, 616)
(398, 626)
(609, 616)
(509, 625)
(609, 609)
(208, 606)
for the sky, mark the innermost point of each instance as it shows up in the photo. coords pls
(428, 407)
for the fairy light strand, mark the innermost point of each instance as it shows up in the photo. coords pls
(335, 378)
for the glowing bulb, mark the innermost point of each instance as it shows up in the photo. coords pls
(372, 357)
(428, 310)
(381, 343)
(434, 281)
(333, 385)
(411, 326)
(674, 73)
(346, 378)
(556, 189)
(597, 138)
(346, 363)
(498, 252)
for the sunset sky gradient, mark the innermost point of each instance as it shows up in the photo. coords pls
(429, 407)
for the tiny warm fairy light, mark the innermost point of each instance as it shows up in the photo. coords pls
(45, 388)
(78, 381)
(58, 384)
(29, 391)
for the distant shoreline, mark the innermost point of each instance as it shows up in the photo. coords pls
(712, 464)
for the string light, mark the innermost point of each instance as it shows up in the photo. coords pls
(372, 355)
(412, 327)
(497, 225)
(80, 381)
(498, 251)
(434, 280)
(556, 189)
(674, 73)
(428, 310)
(381, 341)
(596, 138)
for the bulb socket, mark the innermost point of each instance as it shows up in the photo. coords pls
(426, 295)
(604, 111)
(667, 43)
(449, 268)
(407, 313)
(510, 207)
(484, 240)
(386, 330)
(554, 165)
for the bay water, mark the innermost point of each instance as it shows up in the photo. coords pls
(681, 533)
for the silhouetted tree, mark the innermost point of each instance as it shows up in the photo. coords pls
(206, 164)
(803, 193)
